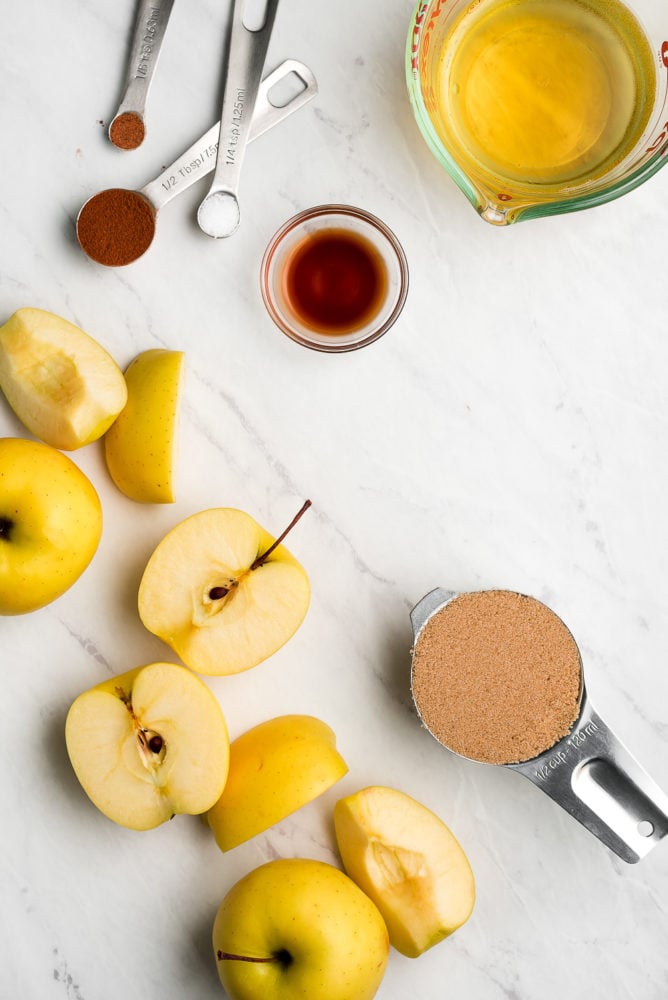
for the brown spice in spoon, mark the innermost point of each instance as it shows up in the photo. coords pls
(116, 226)
(127, 130)
(497, 676)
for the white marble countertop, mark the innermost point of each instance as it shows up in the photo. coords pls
(510, 431)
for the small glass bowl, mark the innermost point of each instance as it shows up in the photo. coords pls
(359, 223)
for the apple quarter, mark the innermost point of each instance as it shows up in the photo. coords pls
(149, 744)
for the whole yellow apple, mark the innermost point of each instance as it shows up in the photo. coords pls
(50, 524)
(222, 592)
(140, 445)
(149, 744)
(275, 769)
(407, 860)
(297, 928)
(63, 385)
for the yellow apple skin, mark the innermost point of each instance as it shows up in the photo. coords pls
(137, 783)
(140, 445)
(50, 524)
(408, 862)
(62, 385)
(262, 609)
(312, 935)
(275, 769)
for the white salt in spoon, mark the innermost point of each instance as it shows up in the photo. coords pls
(127, 129)
(588, 772)
(219, 214)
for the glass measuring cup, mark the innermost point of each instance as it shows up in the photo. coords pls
(501, 200)
(588, 771)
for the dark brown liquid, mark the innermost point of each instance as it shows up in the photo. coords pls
(334, 281)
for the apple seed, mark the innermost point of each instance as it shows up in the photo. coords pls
(217, 593)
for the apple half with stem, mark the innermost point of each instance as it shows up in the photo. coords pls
(299, 928)
(408, 862)
(62, 385)
(275, 769)
(50, 524)
(222, 592)
(140, 446)
(149, 744)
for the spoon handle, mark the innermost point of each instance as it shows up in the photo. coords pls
(592, 775)
(200, 158)
(248, 49)
(149, 33)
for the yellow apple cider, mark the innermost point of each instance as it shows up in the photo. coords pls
(548, 92)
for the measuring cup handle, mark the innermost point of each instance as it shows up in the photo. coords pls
(149, 33)
(591, 774)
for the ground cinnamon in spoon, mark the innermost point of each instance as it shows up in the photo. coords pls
(496, 676)
(116, 226)
(127, 130)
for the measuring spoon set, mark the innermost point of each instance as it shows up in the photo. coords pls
(247, 112)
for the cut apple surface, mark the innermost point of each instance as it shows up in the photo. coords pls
(140, 446)
(408, 862)
(275, 769)
(149, 744)
(219, 593)
(62, 385)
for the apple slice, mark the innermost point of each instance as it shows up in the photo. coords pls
(408, 862)
(222, 592)
(299, 928)
(62, 385)
(149, 744)
(275, 769)
(140, 445)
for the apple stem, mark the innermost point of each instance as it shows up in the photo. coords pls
(265, 555)
(282, 956)
(5, 528)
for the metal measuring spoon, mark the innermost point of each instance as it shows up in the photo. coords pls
(588, 772)
(197, 161)
(218, 215)
(127, 129)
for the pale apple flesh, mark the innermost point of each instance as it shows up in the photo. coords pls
(409, 862)
(275, 768)
(140, 446)
(61, 383)
(149, 744)
(202, 596)
(296, 928)
(50, 524)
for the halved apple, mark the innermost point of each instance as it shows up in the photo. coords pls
(149, 744)
(408, 862)
(275, 769)
(140, 445)
(62, 385)
(222, 593)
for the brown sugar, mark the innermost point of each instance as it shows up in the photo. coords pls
(496, 676)
(127, 130)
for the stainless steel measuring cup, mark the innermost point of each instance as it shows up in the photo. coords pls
(588, 772)
(127, 129)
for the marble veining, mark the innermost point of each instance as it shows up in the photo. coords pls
(510, 431)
